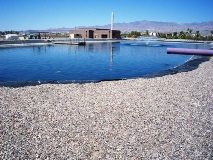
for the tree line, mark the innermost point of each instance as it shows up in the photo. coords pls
(186, 35)
(175, 35)
(8, 32)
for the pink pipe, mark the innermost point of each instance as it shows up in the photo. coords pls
(204, 52)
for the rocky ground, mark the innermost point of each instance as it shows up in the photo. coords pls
(167, 117)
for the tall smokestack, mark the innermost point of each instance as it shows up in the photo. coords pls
(112, 21)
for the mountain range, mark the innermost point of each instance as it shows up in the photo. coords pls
(153, 26)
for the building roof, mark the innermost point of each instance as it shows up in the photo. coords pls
(11, 35)
(92, 29)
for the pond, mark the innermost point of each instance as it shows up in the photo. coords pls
(92, 62)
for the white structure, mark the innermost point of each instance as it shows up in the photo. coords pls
(152, 33)
(11, 37)
(112, 21)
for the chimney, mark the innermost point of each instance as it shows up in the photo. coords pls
(112, 21)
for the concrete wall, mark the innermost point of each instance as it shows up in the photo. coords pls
(22, 41)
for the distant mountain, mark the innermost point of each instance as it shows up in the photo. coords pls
(56, 30)
(153, 26)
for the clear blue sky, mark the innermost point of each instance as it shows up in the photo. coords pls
(45, 14)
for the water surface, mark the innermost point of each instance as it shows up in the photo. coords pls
(95, 61)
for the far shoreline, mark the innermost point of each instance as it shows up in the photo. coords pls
(34, 42)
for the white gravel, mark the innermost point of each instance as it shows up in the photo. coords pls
(167, 117)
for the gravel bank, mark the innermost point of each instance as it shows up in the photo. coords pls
(167, 117)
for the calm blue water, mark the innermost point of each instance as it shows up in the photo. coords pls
(99, 61)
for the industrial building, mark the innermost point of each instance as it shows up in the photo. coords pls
(94, 33)
(11, 37)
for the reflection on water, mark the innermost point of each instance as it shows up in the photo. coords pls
(111, 55)
(39, 49)
(94, 61)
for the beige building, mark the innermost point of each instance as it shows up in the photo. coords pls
(21, 38)
(95, 33)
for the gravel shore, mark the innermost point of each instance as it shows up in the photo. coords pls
(167, 117)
